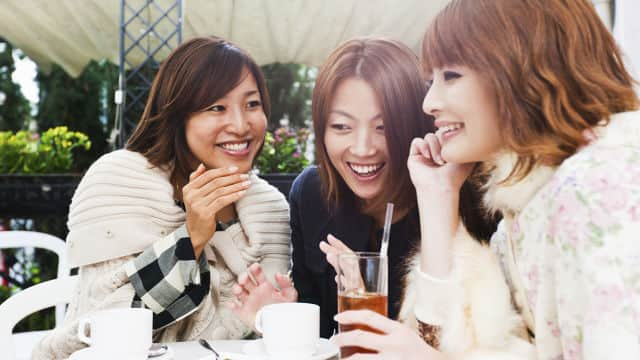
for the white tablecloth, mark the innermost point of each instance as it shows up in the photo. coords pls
(192, 350)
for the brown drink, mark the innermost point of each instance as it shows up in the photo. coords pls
(366, 301)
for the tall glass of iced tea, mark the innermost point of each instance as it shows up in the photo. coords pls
(362, 284)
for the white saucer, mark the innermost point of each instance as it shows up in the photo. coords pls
(326, 350)
(227, 356)
(91, 354)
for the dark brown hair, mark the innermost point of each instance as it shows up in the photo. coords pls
(394, 73)
(553, 67)
(194, 76)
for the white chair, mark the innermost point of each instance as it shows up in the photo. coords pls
(25, 341)
(25, 239)
(28, 301)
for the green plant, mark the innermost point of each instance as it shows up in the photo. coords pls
(284, 151)
(28, 153)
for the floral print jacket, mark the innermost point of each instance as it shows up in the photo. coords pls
(569, 249)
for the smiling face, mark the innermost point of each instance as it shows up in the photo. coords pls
(354, 138)
(465, 114)
(231, 130)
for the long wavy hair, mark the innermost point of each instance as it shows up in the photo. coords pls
(552, 65)
(393, 71)
(194, 76)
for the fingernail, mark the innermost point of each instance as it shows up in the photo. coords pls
(246, 183)
(233, 168)
(201, 166)
(244, 176)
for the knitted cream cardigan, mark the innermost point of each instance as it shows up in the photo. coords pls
(122, 200)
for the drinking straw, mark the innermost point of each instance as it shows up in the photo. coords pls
(384, 245)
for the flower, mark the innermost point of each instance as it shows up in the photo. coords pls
(283, 151)
(28, 152)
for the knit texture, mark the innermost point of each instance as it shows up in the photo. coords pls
(145, 197)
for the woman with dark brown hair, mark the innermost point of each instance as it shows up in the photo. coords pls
(535, 91)
(366, 110)
(171, 222)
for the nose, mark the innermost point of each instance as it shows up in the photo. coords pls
(432, 103)
(363, 145)
(238, 121)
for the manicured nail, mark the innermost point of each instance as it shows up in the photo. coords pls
(201, 166)
(246, 183)
(244, 176)
(233, 168)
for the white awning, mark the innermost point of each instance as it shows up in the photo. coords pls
(73, 32)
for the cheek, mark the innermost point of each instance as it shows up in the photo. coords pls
(334, 147)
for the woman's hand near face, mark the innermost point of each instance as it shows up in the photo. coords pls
(438, 187)
(207, 192)
(396, 340)
(429, 172)
(253, 291)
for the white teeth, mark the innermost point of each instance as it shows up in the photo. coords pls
(235, 146)
(365, 169)
(448, 128)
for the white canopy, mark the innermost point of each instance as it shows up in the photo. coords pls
(73, 32)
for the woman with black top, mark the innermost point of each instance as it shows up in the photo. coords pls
(367, 107)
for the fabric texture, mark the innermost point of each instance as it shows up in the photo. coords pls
(122, 205)
(261, 235)
(311, 222)
(567, 252)
(169, 280)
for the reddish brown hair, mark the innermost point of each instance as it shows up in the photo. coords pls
(194, 76)
(394, 73)
(554, 68)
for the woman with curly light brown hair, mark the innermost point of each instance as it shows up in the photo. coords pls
(535, 91)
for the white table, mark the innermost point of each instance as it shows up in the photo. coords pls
(192, 350)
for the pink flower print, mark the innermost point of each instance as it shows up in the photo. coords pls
(635, 214)
(573, 349)
(615, 199)
(553, 328)
(532, 291)
(607, 298)
(597, 184)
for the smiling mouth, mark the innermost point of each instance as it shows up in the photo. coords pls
(235, 147)
(366, 170)
(449, 129)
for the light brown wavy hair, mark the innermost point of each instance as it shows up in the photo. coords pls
(394, 73)
(552, 65)
(194, 76)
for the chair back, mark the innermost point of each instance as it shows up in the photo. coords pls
(32, 299)
(24, 239)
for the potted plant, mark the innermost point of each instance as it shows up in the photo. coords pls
(283, 157)
(34, 170)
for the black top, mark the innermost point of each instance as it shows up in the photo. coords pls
(311, 222)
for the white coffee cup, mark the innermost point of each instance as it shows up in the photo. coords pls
(289, 330)
(120, 333)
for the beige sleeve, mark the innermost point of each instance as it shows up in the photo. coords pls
(100, 286)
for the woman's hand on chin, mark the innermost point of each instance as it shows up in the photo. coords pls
(394, 340)
(430, 173)
(253, 291)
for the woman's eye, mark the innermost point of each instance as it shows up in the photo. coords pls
(451, 75)
(339, 127)
(216, 108)
(380, 127)
(254, 104)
